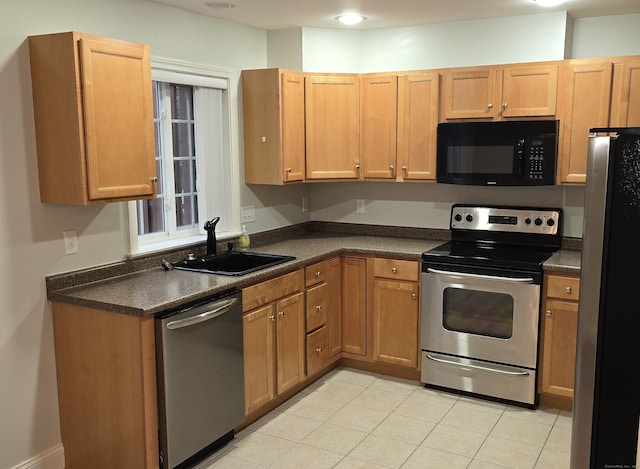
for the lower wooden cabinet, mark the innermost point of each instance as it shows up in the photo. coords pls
(274, 338)
(559, 334)
(106, 372)
(396, 312)
(354, 306)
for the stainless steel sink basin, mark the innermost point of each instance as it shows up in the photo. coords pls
(232, 262)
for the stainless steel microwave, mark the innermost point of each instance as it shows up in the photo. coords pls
(513, 153)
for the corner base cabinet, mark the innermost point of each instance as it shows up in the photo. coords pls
(93, 111)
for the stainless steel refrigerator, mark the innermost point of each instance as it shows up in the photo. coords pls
(607, 385)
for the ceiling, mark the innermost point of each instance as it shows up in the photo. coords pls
(284, 14)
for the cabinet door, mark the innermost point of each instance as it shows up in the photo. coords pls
(259, 359)
(292, 123)
(584, 102)
(395, 322)
(290, 336)
(118, 119)
(560, 328)
(418, 98)
(379, 117)
(334, 313)
(354, 324)
(629, 113)
(470, 94)
(332, 126)
(529, 91)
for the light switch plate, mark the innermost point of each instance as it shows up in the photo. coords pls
(70, 242)
(248, 213)
(359, 206)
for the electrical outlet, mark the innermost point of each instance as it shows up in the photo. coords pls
(359, 206)
(305, 204)
(70, 242)
(248, 213)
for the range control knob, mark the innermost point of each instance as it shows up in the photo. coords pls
(551, 222)
(469, 218)
(538, 221)
(457, 217)
(527, 221)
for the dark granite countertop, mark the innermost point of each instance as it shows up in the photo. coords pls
(151, 290)
(154, 290)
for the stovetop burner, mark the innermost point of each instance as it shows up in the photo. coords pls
(500, 237)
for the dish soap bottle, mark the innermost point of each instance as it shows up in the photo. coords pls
(244, 241)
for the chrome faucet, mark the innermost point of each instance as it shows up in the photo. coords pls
(210, 228)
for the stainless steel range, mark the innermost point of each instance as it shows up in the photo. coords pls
(481, 301)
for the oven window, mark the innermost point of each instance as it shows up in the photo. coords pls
(478, 312)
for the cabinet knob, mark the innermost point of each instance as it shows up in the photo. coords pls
(391, 168)
(272, 317)
(548, 313)
(404, 168)
(318, 273)
(489, 106)
(504, 105)
(357, 167)
(319, 349)
(394, 270)
(414, 296)
(318, 307)
(264, 139)
(288, 170)
(154, 179)
(568, 290)
(280, 313)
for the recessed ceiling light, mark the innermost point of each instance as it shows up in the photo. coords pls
(548, 3)
(219, 5)
(351, 18)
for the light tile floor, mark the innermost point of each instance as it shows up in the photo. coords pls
(352, 419)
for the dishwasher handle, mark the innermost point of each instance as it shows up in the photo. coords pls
(219, 308)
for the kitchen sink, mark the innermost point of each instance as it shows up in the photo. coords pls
(232, 262)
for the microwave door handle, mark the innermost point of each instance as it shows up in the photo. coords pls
(480, 276)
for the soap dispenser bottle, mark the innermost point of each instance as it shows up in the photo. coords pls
(244, 241)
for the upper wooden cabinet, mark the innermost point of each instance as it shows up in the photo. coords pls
(274, 135)
(332, 119)
(379, 123)
(626, 94)
(93, 111)
(584, 102)
(494, 93)
(418, 98)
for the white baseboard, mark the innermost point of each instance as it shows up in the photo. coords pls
(50, 459)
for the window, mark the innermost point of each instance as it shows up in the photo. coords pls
(193, 160)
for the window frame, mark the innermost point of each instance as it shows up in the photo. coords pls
(229, 225)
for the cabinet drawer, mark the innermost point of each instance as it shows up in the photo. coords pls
(565, 287)
(396, 269)
(271, 290)
(317, 306)
(315, 273)
(317, 351)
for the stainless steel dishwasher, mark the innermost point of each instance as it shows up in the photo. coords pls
(200, 378)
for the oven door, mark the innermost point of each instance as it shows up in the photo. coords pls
(486, 317)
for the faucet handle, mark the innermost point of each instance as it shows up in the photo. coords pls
(211, 224)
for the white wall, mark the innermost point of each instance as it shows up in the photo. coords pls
(606, 36)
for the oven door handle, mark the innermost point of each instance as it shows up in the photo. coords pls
(480, 276)
(478, 367)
